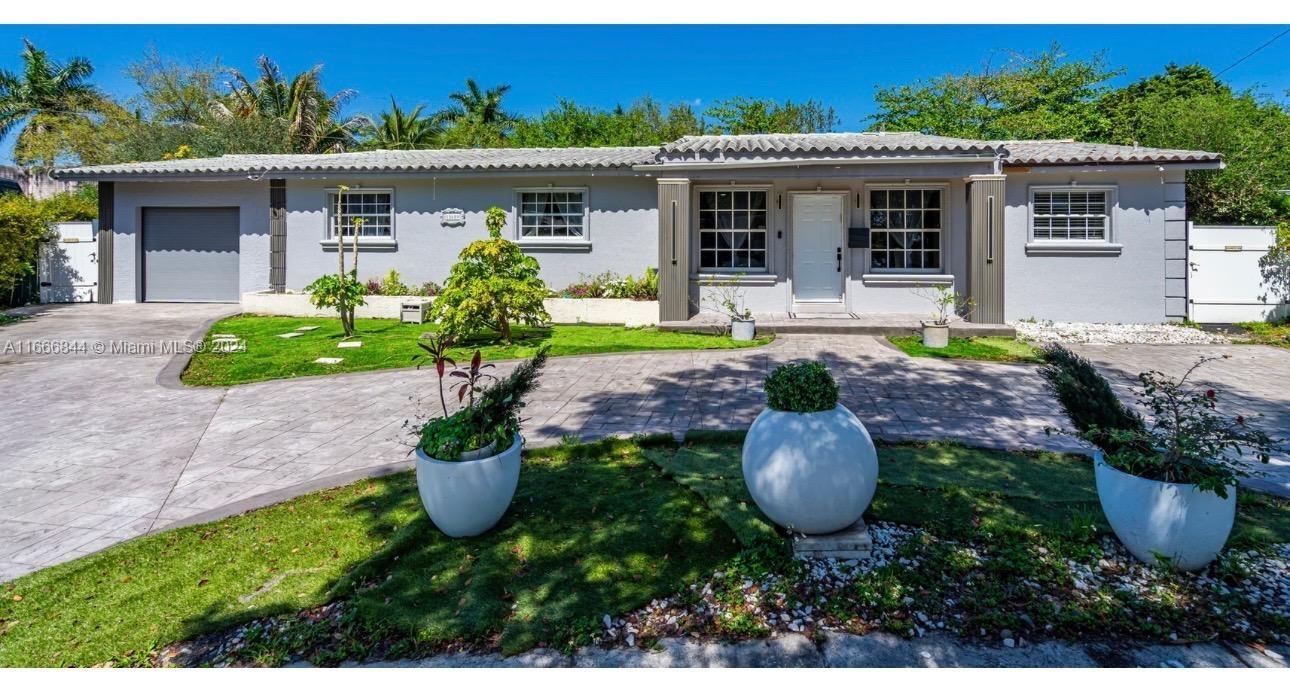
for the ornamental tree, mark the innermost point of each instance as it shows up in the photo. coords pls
(494, 285)
(341, 291)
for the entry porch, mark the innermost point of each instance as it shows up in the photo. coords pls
(893, 324)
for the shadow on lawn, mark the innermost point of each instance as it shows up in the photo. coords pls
(592, 530)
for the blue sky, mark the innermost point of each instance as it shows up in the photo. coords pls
(605, 65)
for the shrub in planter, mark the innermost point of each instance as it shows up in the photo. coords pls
(1169, 488)
(1086, 395)
(808, 462)
(468, 462)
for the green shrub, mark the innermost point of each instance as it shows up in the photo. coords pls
(1085, 394)
(801, 387)
(494, 285)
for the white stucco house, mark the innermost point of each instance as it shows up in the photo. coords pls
(846, 223)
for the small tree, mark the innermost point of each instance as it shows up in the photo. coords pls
(1275, 267)
(494, 285)
(343, 291)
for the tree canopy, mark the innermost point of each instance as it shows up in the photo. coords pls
(201, 109)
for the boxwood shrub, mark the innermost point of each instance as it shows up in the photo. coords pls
(801, 387)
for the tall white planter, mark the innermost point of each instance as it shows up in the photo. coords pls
(1155, 519)
(743, 329)
(812, 473)
(467, 498)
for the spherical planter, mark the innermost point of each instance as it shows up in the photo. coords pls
(936, 335)
(812, 473)
(469, 497)
(1158, 520)
(743, 329)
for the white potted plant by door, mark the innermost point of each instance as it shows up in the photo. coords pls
(729, 297)
(808, 462)
(1168, 489)
(946, 305)
(468, 461)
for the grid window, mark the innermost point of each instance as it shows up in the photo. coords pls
(905, 228)
(732, 230)
(1070, 215)
(373, 207)
(548, 214)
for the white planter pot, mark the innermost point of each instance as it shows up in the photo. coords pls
(743, 329)
(811, 473)
(467, 498)
(1175, 521)
(936, 335)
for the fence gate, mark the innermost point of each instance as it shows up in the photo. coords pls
(69, 268)
(1223, 280)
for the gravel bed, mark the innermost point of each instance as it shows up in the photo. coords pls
(1091, 333)
(730, 607)
(761, 605)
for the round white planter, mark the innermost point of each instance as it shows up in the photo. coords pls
(936, 335)
(1175, 521)
(811, 473)
(743, 329)
(468, 498)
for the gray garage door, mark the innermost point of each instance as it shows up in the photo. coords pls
(190, 254)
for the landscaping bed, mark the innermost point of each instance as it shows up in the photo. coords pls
(1270, 333)
(624, 542)
(391, 344)
(1093, 333)
(977, 348)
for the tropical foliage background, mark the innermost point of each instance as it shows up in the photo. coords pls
(198, 109)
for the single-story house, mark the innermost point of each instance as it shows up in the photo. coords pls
(821, 223)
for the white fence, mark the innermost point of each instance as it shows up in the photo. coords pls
(1223, 280)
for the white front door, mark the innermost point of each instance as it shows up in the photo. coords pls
(817, 246)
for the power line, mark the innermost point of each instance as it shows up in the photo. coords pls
(1269, 42)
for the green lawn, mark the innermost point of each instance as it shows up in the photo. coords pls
(977, 348)
(594, 529)
(949, 487)
(1272, 333)
(6, 319)
(389, 344)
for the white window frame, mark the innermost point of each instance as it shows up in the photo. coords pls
(943, 230)
(1108, 241)
(330, 214)
(697, 249)
(517, 213)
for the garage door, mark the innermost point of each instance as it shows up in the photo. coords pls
(190, 254)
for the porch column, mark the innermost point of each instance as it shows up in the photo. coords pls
(106, 239)
(278, 235)
(673, 249)
(986, 246)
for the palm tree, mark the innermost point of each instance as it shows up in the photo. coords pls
(476, 115)
(310, 115)
(46, 91)
(400, 130)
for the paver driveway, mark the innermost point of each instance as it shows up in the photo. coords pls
(97, 452)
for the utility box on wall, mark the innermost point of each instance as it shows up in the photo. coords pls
(414, 311)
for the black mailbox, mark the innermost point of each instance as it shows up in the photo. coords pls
(858, 238)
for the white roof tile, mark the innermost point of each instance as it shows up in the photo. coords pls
(1020, 152)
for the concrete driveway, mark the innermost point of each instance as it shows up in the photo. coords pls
(96, 451)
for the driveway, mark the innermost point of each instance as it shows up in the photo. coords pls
(96, 451)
